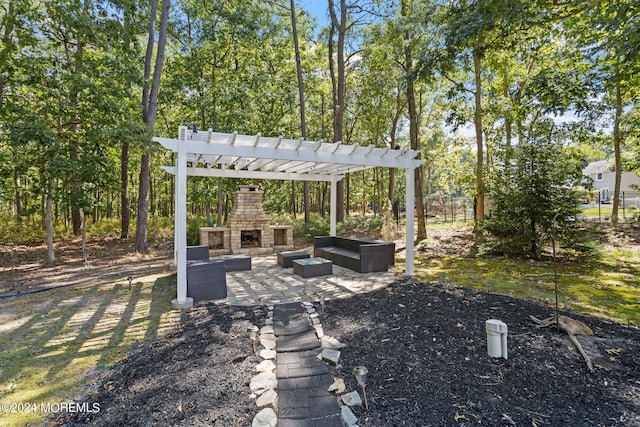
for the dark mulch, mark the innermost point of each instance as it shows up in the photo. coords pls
(196, 376)
(425, 348)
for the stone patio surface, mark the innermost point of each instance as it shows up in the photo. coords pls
(267, 283)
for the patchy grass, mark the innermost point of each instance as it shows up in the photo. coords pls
(606, 211)
(51, 341)
(608, 287)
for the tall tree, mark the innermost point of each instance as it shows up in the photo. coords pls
(414, 119)
(338, 81)
(472, 30)
(303, 120)
(125, 208)
(149, 112)
(610, 30)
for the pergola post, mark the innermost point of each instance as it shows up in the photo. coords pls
(410, 206)
(333, 209)
(180, 232)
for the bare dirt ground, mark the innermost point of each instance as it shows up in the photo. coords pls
(24, 269)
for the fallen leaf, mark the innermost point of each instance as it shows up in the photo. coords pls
(457, 417)
(508, 419)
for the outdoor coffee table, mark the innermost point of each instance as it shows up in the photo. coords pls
(311, 267)
(285, 258)
(237, 262)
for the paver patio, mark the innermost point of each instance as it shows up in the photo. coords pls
(267, 283)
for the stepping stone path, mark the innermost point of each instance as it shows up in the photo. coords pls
(300, 396)
(303, 380)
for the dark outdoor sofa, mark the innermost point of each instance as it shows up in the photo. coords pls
(358, 254)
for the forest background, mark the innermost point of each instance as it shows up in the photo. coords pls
(85, 84)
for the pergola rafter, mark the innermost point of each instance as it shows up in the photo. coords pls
(213, 154)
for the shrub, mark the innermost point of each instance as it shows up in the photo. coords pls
(193, 230)
(533, 202)
(317, 226)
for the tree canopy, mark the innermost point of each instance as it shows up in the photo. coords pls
(469, 83)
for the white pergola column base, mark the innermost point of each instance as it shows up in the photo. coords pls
(410, 227)
(182, 305)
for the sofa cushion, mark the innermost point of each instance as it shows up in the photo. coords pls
(341, 252)
(347, 243)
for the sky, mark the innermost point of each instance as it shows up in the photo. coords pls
(316, 8)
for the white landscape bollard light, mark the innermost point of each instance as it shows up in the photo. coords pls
(253, 335)
(496, 338)
(360, 372)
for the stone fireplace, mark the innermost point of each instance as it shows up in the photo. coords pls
(250, 226)
(249, 230)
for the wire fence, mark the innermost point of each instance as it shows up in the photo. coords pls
(598, 206)
(448, 208)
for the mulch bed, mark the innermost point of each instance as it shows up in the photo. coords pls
(196, 376)
(425, 348)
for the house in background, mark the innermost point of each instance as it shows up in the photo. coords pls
(604, 179)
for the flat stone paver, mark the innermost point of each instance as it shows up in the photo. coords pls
(330, 421)
(300, 364)
(268, 283)
(303, 379)
(322, 381)
(298, 342)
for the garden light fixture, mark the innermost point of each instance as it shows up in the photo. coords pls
(253, 335)
(360, 372)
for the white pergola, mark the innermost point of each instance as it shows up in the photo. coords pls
(212, 154)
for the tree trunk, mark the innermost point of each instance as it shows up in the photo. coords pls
(508, 122)
(124, 191)
(220, 207)
(392, 137)
(414, 127)
(17, 185)
(618, 163)
(83, 219)
(48, 221)
(477, 121)
(303, 122)
(339, 88)
(96, 208)
(149, 111)
(125, 207)
(207, 208)
(142, 232)
(8, 23)
(76, 120)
